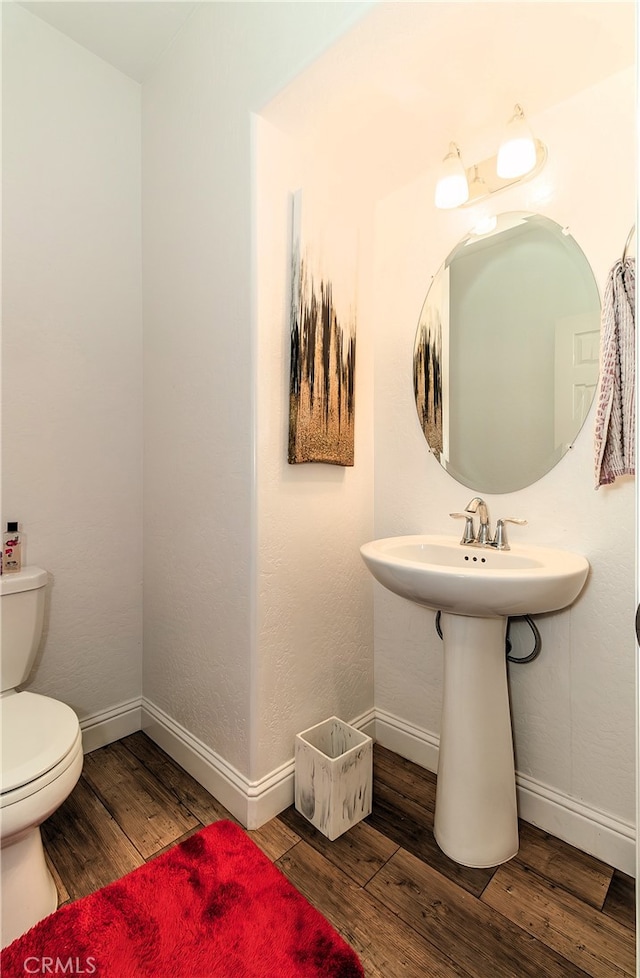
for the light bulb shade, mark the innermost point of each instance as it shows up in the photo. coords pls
(452, 188)
(517, 154)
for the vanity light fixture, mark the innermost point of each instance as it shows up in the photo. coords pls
(517, 154)
(521, 156)
(452, 188)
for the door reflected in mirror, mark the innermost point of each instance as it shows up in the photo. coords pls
(506, 353)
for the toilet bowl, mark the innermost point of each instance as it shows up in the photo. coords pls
(41, 760)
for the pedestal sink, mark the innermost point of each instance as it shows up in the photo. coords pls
(476, 589)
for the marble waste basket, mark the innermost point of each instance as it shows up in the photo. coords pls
(333, 776)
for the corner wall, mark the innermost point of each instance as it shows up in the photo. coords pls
(72, 356)
(212, 680)
(314, 625)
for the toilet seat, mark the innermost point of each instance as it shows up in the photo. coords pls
(40, 739)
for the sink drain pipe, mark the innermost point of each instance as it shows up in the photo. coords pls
(537, 640)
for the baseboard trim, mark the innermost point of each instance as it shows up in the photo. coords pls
(602, 835)
(366, 722)
(406, 739)
(255, 802)
(211, 770)
(107, 726)
(589, 829)
(252, 802)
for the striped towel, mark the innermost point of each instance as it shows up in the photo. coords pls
(615, 413)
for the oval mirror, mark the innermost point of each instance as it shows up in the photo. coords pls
(506, 354)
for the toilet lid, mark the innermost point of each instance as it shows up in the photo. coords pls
(37, 732)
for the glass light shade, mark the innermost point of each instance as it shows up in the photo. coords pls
(452, 188)
(517, 154)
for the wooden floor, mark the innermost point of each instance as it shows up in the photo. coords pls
(552, 912)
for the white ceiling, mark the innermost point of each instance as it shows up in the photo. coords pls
(388, 97)
(458, 58)
(131, 36)
(406, 36)
(409, 53)
(406, 79)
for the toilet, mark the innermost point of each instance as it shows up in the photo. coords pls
(41, 757)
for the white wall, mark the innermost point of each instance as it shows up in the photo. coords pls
(71, 354)
(573, 708)
(315, 611)
(203, 663)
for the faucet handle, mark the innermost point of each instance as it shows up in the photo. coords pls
(468, 536)
(500, 539)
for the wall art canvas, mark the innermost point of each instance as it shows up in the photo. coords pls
(323, 348)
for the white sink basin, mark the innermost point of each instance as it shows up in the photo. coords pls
(476, 589)
(440, 573)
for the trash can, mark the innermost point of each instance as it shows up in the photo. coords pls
(333, 776)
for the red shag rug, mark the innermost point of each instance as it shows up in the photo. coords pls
(214, 906)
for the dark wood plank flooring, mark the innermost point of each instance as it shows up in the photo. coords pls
(407, 910)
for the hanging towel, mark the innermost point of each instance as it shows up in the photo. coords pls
(615, 413)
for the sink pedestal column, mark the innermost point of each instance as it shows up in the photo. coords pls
(476, 820)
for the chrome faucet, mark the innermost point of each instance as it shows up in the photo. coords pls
(483, 536)
(478, 505)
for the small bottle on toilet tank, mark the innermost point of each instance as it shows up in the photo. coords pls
(11, 549)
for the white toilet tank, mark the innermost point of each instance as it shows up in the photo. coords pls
(21, 618)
